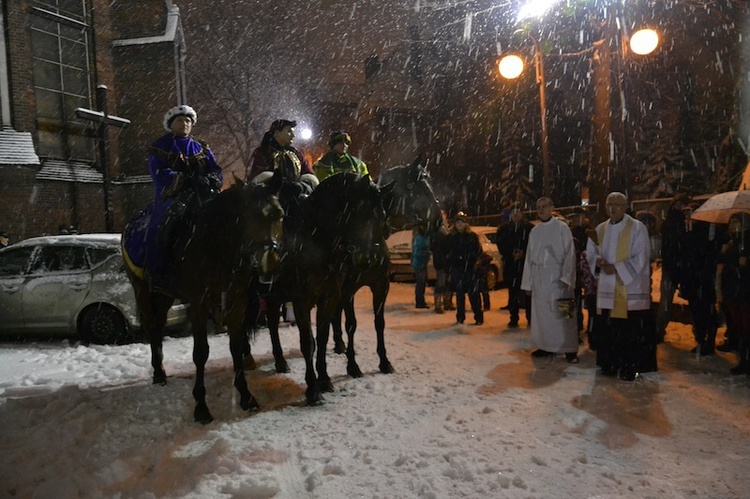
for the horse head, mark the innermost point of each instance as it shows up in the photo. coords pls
(411, 201)
(261, 226)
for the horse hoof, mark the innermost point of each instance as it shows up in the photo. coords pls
(325, 385)
(315, 399)
(250, 404)
(339, 348)
(387, 368)
(202, 417)
(354, 372)
(160, 379)
(282, 367)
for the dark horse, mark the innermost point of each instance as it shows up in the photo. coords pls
(232, 242)
(340, 229)
(408, 200)
(410, 203)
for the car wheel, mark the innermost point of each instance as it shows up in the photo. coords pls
(491, 279)
(102, 325)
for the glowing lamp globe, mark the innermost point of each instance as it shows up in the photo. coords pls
(510, 66)
(306, 134)
(644, 41)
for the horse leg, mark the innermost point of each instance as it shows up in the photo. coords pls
(238, 345)
(199, 312)
(352, 369)
(154, 308)
(338, 336)
(273, 314)
(307, 347)
(379, 294)
(323, 323)
(250, 325)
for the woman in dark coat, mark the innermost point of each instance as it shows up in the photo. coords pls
(463, 251)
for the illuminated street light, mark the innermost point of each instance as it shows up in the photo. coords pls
(510, 67)
(644, 41)
(535, 8)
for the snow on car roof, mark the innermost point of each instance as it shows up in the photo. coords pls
(398, 238)
(75, 239)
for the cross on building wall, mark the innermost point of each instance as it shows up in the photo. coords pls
(104, 120)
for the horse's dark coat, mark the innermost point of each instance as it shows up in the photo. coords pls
(232, 243)
(342, 228)
(409, 201)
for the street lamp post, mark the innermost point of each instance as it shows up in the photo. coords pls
(603, 172)
(510, 67)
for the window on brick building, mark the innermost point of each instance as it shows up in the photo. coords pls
(61, 52)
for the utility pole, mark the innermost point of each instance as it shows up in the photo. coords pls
(105, 120)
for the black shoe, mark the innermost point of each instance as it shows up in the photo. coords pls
(572, 358)
(423, 305)
(727, 346)
(512, 324)
(506, 307)
(541, 353)
(627, 375)
(478, 323)
(707, 349)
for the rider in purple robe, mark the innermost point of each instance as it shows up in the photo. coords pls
(185, 175)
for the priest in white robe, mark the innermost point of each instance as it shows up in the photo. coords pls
(549, 274)
(625, 326)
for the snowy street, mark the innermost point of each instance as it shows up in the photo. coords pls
(468, 413)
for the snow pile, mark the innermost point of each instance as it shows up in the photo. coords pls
(468, 413)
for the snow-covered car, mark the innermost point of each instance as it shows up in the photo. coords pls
(399, 248)
(71, 285)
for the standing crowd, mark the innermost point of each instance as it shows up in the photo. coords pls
(557, 267)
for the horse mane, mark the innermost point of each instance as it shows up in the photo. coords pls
(341, 189)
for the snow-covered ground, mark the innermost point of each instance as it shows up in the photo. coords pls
(468, 413)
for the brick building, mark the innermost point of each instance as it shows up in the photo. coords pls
(55, 56)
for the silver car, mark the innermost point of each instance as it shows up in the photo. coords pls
(71, 285)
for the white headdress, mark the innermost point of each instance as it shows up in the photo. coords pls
(181, 110)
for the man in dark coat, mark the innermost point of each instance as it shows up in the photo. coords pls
(439, 245)
(699, 256)
(463, 251)
(672, 246)
(276, 152)
(512, 239)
